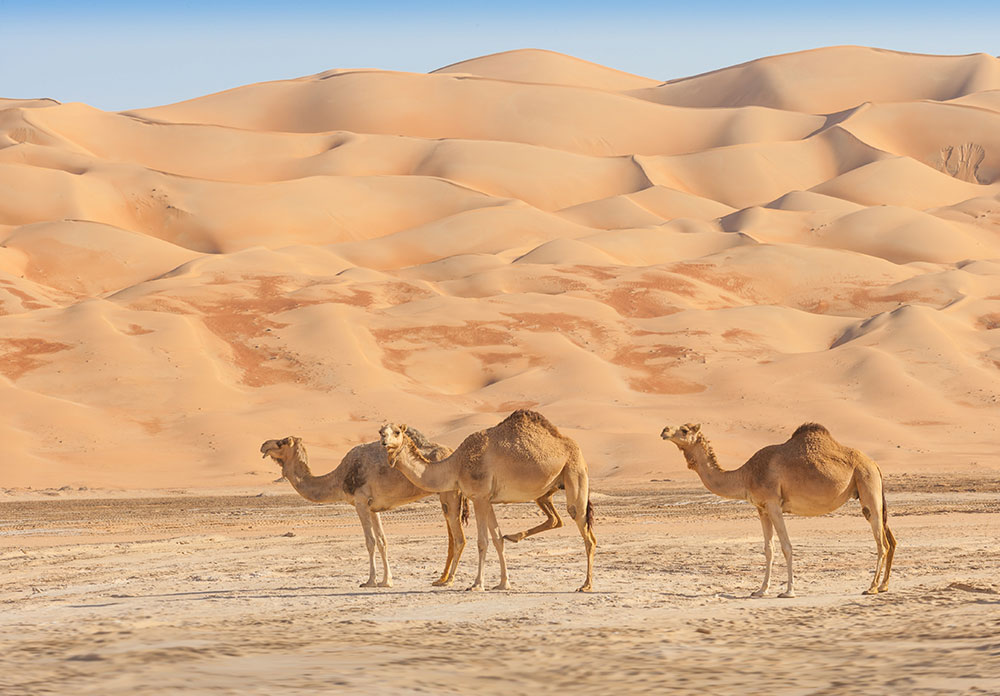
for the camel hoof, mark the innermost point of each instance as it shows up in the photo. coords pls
(871, 591)
(385, 584)
(883, 588)
(584, 588)
(787, 595)
(442, 582)
(502, 586)
(513, 538)
(758, 594)
(368, 584)
(474, 588)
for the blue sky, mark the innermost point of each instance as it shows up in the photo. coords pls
(121, 55)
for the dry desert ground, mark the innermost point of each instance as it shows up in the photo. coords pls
(806, 237)
(212, 594)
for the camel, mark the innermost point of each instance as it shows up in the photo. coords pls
(365, 480)
(522, 458)
(809, 474)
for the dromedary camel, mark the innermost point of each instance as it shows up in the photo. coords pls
(810, 474)
(365, 480)
(522, 458)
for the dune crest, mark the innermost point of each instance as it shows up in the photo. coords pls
(810, 236)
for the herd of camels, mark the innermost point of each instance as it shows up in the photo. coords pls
(525, 458)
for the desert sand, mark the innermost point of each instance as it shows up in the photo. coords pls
(199, 594)
(805, 237)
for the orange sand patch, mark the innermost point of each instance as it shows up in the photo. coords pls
(243, 323)
(739, 335)
(655, 363)
(736, 283)
(18, 356)
(136, 330)
(638, 302)
(576, 328)
(27, 301)
(989, 321)
(596, 272)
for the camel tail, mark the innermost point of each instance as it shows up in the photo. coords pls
(885, 510)
(590, 515)
(465, 508)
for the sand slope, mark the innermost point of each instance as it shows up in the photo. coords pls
(812, 236)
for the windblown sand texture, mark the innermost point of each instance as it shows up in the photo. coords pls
(812, 236)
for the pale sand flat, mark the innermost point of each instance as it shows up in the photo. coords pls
(207, 594)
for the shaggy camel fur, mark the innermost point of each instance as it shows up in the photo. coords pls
(810, 474)
(522, 458)
(364, 479)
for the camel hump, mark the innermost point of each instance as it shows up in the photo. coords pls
(810, 429)
(523, 416)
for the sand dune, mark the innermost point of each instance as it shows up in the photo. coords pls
(812, 236)
(550, 68)
(963, 142)
(828, 80)
(445, 106)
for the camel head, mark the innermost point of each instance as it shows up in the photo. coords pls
(279, 450)
(685, 436)
(392, 439)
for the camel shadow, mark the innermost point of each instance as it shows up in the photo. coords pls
(332, 592)
(94, 606)
(257, 593)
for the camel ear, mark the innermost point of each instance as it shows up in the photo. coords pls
(696, 427)
(402, 428)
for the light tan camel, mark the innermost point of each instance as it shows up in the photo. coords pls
(522, 458)
(810, 474)
(365, 479)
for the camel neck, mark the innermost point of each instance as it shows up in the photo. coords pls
(726, 484)
(318, 489)
(437, 477)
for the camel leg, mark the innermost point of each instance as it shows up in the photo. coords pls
(578, 505)
(778, 520)
(458, 535)
(871, 508)
(552, 519)
(881, 544)
(482, 517)
(446, 573)
(366, 525)
(494, 528)
(443, 580)
(768, 528)
(456, 539)
(382, 549)
(891, 538)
